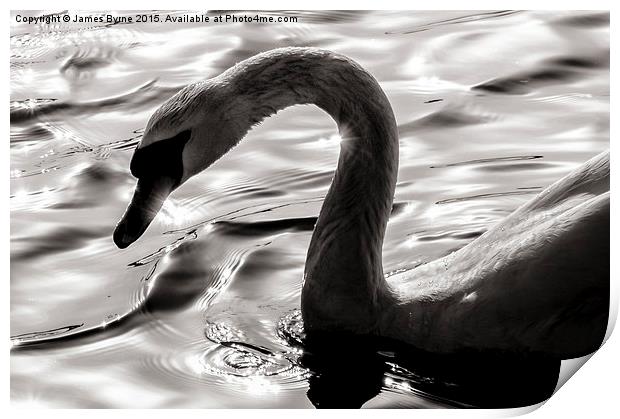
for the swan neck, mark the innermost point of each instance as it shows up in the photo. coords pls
(344, 272)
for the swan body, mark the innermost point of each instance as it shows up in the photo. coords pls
(538, 282)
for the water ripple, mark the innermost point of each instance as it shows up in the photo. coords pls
(201, 312)
(458, 20)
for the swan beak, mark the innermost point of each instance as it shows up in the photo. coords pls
(147, 200)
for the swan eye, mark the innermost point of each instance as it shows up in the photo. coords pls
(162, 158)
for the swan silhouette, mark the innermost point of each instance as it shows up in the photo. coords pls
(538, 282)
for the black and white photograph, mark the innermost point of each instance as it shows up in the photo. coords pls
(307, 209)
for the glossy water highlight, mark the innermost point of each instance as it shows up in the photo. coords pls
(491, 107)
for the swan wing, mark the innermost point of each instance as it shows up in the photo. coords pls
(539, 280)
(588, 180)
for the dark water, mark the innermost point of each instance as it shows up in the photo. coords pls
(201, 312)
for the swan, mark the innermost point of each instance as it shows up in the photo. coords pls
(537, 282)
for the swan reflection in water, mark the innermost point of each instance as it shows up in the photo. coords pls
(347, 374)
(346, 371)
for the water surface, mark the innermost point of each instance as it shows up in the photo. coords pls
(202, 310)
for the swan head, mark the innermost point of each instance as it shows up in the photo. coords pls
(187, 134)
